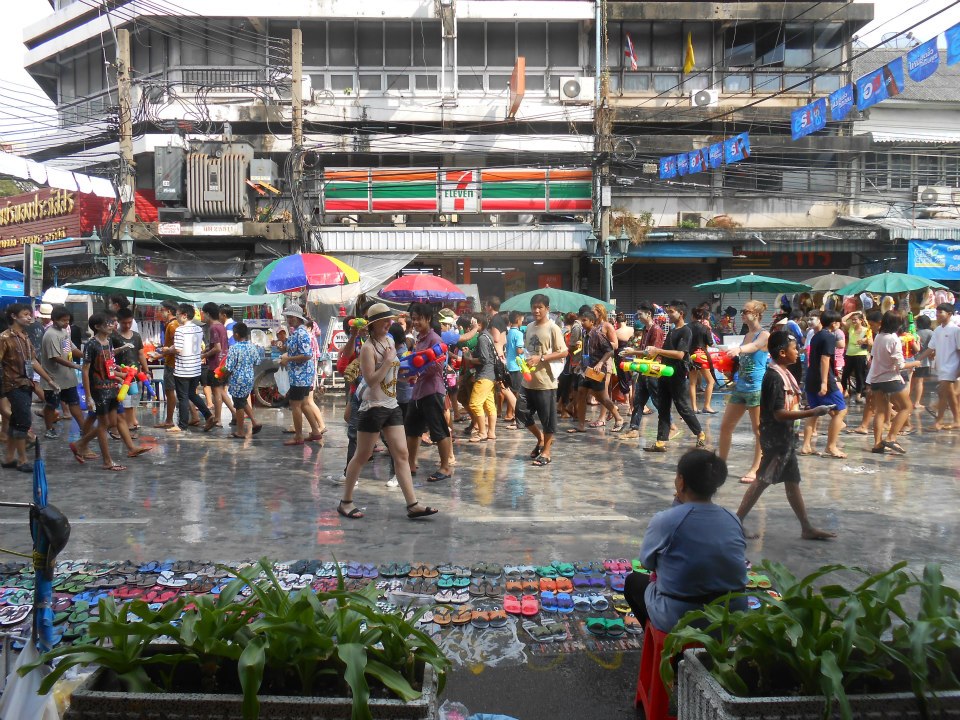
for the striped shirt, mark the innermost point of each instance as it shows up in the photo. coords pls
(188, 340)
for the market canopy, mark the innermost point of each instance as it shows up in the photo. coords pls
(131, 286)
(753, 283)
(303, 271)
(889, 283)
(562, 301)
(421, 288)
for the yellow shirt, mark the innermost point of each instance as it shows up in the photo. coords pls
(854, 337)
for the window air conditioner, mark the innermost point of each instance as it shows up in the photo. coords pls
(577, 90)
(937, 195)
(704, 98)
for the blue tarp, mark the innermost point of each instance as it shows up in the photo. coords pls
(681, 249)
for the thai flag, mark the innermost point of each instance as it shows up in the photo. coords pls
(630, 53)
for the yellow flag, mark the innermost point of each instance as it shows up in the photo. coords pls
(689, 60)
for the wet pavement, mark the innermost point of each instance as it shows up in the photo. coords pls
(209, 497)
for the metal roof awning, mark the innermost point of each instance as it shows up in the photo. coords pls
(458, 240)
(921, 137)
(913, 229)
(681, 249)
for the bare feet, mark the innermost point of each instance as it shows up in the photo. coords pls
(751, 535)
(748, 479)
(813, 533)
(834, 453)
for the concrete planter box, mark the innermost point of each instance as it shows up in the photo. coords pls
(700, 697)
(88, 703)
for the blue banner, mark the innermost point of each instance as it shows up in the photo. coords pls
(953, 44)
(668, 167)
(841, 102)
(923, 61)
(881, 84)
(683, 164)
(809, 119)
(736, 148)
(696, 162)
(715, 155)
(934, 260)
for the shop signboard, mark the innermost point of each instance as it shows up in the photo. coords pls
(48, 215)
(468, 190)
(514, 283)
(33, 258)
(934, 260)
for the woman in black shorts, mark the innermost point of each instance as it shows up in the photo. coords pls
(380, 414)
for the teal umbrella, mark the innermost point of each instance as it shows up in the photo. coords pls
(753, 283)
(562, 301)
(889, 283)
(133, 286)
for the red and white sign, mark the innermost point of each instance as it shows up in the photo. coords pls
(459, 191)
(340, 339)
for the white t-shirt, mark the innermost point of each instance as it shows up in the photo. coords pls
(946, 343)
(188, 339)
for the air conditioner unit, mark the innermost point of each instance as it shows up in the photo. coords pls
(704, 98)
(577, 90)
(399, 220)
(937, 195)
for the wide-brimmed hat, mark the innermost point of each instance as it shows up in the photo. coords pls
(294, 311)
(46, 309)
(447, 317)
(379, 311)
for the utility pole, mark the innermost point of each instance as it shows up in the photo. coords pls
(296, 98)
(128, 164)
(603, 123)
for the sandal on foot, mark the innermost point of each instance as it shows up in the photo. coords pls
(354, 514)
(541, 461)
(116, 467)
(417, 514)
(536, 452)
(138, 451)
(597, 423)
(257, 428)
(76, 453)
(896, 447)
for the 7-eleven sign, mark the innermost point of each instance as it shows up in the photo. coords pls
(459, 191)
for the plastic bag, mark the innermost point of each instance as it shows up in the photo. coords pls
(282, 379)
(20, 700)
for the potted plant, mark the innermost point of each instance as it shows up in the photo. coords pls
(833, 652)
(328, 654)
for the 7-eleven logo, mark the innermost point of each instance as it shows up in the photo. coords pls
(459, 192)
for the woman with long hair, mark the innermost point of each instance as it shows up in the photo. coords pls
(702, 339)
(601, 350)
(745, 397)
(380, 414)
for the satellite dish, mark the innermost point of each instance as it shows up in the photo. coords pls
(571, 89)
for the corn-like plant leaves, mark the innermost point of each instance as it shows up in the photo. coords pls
(354, 659)
(250, 671)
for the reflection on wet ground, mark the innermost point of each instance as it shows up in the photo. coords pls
(209, 497)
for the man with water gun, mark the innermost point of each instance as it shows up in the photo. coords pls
(425, 413)
(645, 387)
(128, 352)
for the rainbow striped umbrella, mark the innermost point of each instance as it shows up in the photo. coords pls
(303, 271)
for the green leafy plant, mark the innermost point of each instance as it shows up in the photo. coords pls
(830, 641)
(277, 640)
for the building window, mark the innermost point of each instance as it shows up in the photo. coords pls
(928, 170)
(900, 176)
(951, 167)
(874, 171)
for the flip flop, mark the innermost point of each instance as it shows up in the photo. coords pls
(557, 630)
(564, 585)
(598, 602)
(632, 624)
(529, 605)
(76, 453)
(497, 618)
(138, 451)
(442, 616)
(564, 603)
(293, 442)
(438, 476)
(512, 605)
(549, 601)
(581, 602)
(615, 628)
(116, 467)
(480, 619)
(536, 452)
(463, 616)
(547, 585)
(597, 626)
(541, 461)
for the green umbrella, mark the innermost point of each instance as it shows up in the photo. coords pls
(132, 286)
(562, 301)
(829, 282)
(889, 283)
(753, 283)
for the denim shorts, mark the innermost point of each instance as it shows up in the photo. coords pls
(750, 399)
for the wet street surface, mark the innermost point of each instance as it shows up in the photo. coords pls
(208, 497)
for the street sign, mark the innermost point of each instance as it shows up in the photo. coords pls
(33, 269)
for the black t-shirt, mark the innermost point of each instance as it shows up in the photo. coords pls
(700, 338)
(774, 434)
(498, 323)
(76, 336)
(129, 356)
(823, 343)
(677, 339)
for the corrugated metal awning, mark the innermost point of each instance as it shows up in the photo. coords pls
(914, 229)
(566, 239)
(681, 249)
(919, 137)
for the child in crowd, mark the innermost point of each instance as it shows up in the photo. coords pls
(242, 356)
(779, 408)
(101, 382)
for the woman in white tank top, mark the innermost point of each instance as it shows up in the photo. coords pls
(380, 415)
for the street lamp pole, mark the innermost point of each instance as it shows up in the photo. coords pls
(606, 253)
